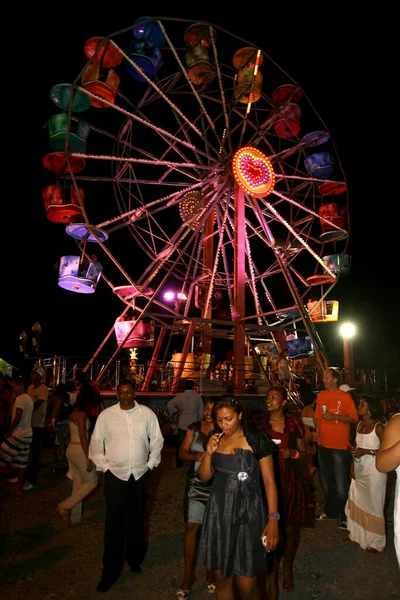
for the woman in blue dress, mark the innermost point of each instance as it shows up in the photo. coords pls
(196, 496)
(237, 531)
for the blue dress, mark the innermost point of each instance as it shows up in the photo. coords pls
(236, 512)
(196, 491)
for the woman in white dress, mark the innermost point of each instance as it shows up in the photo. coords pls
(84, 476)
(388, 459)
(365, 504)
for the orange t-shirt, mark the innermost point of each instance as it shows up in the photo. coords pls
(335, 434)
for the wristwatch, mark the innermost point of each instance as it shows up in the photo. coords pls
(274, 515)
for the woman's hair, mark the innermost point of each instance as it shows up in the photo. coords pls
(210, 400)
(60, 389)
(228, 401)
(283, 392)
(374, 405)
(280, 389)
(70, 385)
(86, 397)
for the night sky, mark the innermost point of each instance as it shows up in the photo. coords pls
(330, 59)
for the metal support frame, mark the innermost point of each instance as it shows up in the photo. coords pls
(239, 290)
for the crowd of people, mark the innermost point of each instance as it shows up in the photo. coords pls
(248, 480)
(32, 418)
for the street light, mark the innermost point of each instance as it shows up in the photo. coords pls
(347, 331)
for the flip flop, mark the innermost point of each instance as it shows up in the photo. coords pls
(63, 512)
(184, 594)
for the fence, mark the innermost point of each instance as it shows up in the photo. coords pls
(60, 368)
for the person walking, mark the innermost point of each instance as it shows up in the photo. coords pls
(388, 459)
(335, 411)
(126, 445)
(191, 409)
(14, 451)
(236, 530)
(65, 397)
(195, 498)
(84, 476)
(365, 505)
(39, 392)
(94, 400)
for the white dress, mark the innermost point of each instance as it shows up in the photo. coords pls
(365, 504)
(284, 372)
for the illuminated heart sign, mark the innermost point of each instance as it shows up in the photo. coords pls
(253, 172)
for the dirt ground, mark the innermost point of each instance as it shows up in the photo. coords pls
(45, 558)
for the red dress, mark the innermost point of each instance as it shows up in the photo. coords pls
(288, 473)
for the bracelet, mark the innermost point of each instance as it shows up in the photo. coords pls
(296, 455)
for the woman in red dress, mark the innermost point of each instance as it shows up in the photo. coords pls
(287, 433)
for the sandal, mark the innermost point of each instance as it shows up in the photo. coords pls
(211, 587)
(184, 594)
(63, 512)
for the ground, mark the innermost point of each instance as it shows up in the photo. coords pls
(46, 558)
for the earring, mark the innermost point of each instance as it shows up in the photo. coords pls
(369, 413)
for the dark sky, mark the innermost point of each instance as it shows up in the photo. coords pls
(333, 61)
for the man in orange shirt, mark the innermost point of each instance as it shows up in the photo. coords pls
(335, 411)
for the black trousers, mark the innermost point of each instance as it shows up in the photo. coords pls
(38, 438)
(125, 532)
(180, 436)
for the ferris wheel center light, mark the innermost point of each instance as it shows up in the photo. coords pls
(347, 330)
(253, 172)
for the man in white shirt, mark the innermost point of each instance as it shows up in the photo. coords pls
(191, 409)
(14, 451)
(126, 445)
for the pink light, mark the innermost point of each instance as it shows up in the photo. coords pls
(169, 296)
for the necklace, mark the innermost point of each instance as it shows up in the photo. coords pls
(364, 426)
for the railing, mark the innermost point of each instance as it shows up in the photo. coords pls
(60, 368)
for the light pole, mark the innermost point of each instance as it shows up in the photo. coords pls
(347, 331)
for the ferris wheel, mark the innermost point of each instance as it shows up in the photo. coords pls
(185, 156)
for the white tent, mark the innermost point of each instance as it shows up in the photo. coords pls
(6, 368)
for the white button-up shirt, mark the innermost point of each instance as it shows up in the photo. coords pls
(128, 442)
(190, 405)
